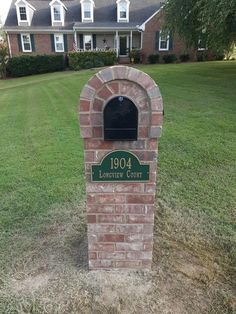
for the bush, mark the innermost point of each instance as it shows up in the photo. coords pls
(136, 55)
(153, 58)
(171, 58)
(28, 65)
(184, 57)
(202, 56)
(91, 59)
(4, 58)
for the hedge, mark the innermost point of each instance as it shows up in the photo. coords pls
(28, 65)
(91, 59)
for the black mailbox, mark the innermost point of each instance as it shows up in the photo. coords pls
(120, 120)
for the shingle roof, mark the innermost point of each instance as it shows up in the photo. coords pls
(104, 13)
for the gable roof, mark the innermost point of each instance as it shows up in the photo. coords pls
(105, 14)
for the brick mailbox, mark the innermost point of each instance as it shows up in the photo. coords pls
(120, 115)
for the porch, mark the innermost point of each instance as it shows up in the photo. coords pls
(122, 42)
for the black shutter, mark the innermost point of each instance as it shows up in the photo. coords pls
(94, 41)
(52, 42)
(81, 41)
(65, 42)
(157, 36)
(19, 42)
(170, 41)
(32, 42)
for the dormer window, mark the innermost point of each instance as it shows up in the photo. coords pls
(25, 12)
(58, 12)
(87, 10)
(123, 10)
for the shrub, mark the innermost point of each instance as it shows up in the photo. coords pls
(202, 56)
(153, 58)
(184, 57)
(28, 65)
(91, 59)
(170, 58)
(136, 55)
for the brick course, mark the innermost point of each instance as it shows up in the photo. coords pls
(120, 215)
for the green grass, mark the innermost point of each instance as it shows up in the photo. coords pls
(41, 158)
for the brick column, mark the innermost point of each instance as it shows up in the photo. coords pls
(120, 216)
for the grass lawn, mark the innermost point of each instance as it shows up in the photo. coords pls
(42, 192)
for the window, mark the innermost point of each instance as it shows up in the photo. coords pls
(123, 11)
(23, 15)
(87, 10)
(88, 42)
(59, 43)
(202, 44)
(57, 13)
(164, 40)
(26, 43)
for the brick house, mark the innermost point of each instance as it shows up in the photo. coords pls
(48, 27)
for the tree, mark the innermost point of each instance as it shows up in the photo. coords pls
(3, 58)
(213, 20)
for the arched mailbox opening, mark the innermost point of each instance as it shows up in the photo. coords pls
(120, 120)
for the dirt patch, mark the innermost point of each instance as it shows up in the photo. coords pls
(30, 283)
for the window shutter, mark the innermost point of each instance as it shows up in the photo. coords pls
(94, 41)
(19, 42)
(81, 41)
(157, 36)
(171, 42)
(52, 42)
(65, 43)
(32, 42)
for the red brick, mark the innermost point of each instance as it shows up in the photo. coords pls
(139, 219)
(144, 118)
(104, 93)
(150, 188)
(96, 119)
(92, 255)
(112, 255)
(129, 246)
(86, 132)
(128, 264)
(84, 119)
(98, 264)
(140, 199)
(137, 237)
(135, 209)
(152, 144)
(95, 82)
(128, 229)
(120, 72)
(114, 87)
(111, 238)
(84, 105)
(129, 187)
(89, 156)
(97, 132)
(97, 208)
(148, 246)
(111, 218)
(147, 264)
(143, 103)
(139, 255)
(143, 132)
(91, 219)
(148, 228)
(157, 119)
(101, 228)
(105, 199)
(98, 144)
(98, 104)
(102, 247)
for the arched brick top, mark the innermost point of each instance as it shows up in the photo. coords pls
(125, 81)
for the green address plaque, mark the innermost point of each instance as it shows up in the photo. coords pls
(120, 166)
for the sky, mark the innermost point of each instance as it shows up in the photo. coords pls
(4, 6)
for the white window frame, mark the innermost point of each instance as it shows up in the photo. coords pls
(91, 41)
(119, 4)
(61, 14)
(22, 43)
(167, 42)
(201, 48)
(60, 42)
(26, 13)
(91, 5)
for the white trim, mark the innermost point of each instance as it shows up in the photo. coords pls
(167, 41)
(142, 26)
(22, 42)
(91, 42)
(91, 18)
(9, 44)
(61, 14)
(60, 3)
(62, 42)
(121, 19)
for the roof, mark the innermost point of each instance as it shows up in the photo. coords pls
(105, 14)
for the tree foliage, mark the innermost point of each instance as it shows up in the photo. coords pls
(213, 20)
(3, 58)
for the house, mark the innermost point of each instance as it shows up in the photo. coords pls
(46, 27)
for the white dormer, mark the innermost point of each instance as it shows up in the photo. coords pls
(123, 11)
(58, 13)
(87, 11)
(25, 12)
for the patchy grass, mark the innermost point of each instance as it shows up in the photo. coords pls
(43, 249)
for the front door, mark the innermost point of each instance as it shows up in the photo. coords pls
(123, 46)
